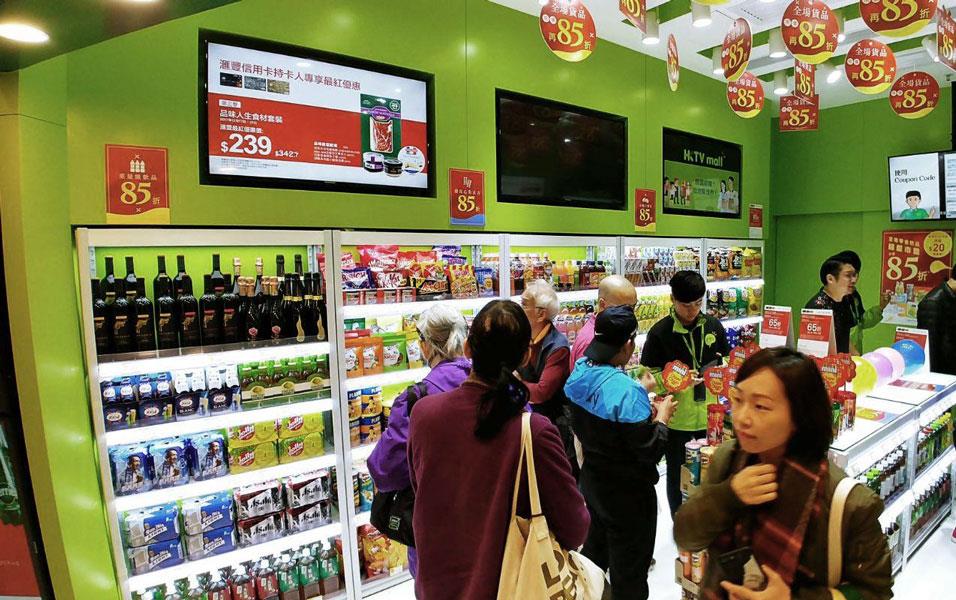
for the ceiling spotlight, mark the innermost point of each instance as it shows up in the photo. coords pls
(929, 44)
(780, 83)
(829, 73)
(715, 58)
(841, 25)
(652, 35)
(27, 34)
(777, 48)
(700, 14)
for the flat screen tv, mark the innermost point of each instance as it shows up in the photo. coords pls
(702, 176)
(559, 155)
(922, 186)
(280, 116)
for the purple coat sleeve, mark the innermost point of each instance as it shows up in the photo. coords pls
(388, 463)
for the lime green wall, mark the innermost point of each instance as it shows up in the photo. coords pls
(830, 192)
(141, 89)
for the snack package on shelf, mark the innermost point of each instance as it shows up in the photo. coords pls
(130, 466)
(308, 488)
(210, 543)
(170, 462)
(310, 516)
(207, 513)
(151, 525)
(154, 557)
(207, 455)
(260, 499)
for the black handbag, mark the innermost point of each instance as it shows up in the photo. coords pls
(392, 511)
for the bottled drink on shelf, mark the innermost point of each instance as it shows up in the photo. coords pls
(129, 282)
(108, 283)
(124, 328)
(145, 324)
(887, 476)
(252, 310)
(210, 307)
(257, 291)
(167, 329)
(231, 312)
(298, 265)
(181, 278)
(929, 503)
(271, 321)
(188, 318)
(161, 276)
(102, 326)
(292, 308)
(267, 582)
(934, 440)
(280, 273)
(217, 281)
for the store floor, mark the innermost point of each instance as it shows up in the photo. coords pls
(918, 580)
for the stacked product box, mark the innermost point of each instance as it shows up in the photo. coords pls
(272, 382)
(168, 462)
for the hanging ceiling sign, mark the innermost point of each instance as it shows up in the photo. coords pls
(746, 96)
(804, 80)
(635, 11)
(870, 66)
(673, 63)
(796, 114)
(568, 29)
(946, 39)
(914, 95)
(897, 18)
(735, 53)
(810, 31)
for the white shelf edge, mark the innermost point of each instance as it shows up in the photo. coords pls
(893, 510)
(212, 563)
(645, 291)
(138, 366)
(361, 453)
(363, 518)
(383, 379)
(405, 308)
(939, 465)
(201, 488)
(135, 435)
(370, 588)
(735, 283)
(756, 320)
(571, 296)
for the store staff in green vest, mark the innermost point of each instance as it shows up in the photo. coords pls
(863, 318)
(699, 341)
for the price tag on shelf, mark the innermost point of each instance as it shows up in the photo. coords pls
(645, 211)
(746, 96)
(776, 329)
(870, 66)
(804, 80)
(810, 31)
(673, 63)
(816, 333)
(946, 39)
(635, 11)
(735, 51)
(568, 29)
(914, 95)
(897, 18)
(466, 197)
(797, 114)
(137, 185)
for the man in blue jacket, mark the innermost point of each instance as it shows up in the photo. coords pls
(623, 441)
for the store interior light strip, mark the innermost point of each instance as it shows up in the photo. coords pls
(927, 477)
(210, 486)
(896, 507)
(931, 414)
(108, 370)
(406, 308)
(874, 454)
(391, 378)
(734, 283)
(729, 323)
(221, 421)
(234, 558)
(361, 453)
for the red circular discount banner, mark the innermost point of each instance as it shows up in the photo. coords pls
(673, 63)
(914, 95)
(746, 96)
(897, 18)
(568, 29)
(870, 66)
(810, 30)
(735, 53)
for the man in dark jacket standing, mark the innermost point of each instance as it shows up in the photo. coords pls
(936, 313)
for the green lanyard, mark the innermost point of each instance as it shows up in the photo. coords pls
(696, 357)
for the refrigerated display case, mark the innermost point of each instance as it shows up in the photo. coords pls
(221, 448)
(733, 270)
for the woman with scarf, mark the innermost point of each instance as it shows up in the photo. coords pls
(766, 497)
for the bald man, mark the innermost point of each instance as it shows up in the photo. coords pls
(613, 291)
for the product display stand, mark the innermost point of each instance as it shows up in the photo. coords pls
(739, 279)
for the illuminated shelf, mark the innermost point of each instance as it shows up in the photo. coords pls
(383, 379)
(361, 453)
(383, 582)
(728, 323)
(135, 435)
(734, 283)
(211, 486)
(363, 518)
(934, 470)
(406, 308)
(236, 557)
(136, 363)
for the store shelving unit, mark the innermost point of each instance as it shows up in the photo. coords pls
(168, 241)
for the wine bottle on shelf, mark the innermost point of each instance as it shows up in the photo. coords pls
(321, 316)
(179, 281)
(280, 273)
(167, 328)
(108, 283)
(124, 338)
(250, 313)
(161, 276)
(102, 327)
(217, 280)
(308, 306)
(187, 315)
(292, 308)
(145, 332)
(257, 290)
(129, 282)
(298, 265)
(274, 312)
(231, 315)
(210, 307)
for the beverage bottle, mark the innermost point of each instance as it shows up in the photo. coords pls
(329, 569)
(196, 592)
(217, 281)
(310, 576)
(188, 316)
(129, 282)
(258, 288)
(181, 277)
(273, 311)
(242, 585)
(124, 328)
(231, 300)
(145, 331)
(210, 307)
(164, 305)
(318, 296)
(292, 308)
(288, 579)
(102, 326)
(280, 274)
(267, 582)
(216, 587)
(298, 265)
(108, 283)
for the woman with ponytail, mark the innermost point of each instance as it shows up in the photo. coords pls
(463, 450)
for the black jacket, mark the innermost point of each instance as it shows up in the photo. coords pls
(937, 314)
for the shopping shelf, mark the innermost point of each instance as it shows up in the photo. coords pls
(894, 508)
(934, 469)
(363, 518)
(734, 283)
(570, 296)
(928, 530)
(213, 563)
(135, 435)
(361, 453)
(407, 308)
(136, 363)
(210, 486)
(383, 582)
(728, 323)
(384, 379)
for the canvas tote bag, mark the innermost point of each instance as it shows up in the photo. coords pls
(835, 536)
(534, 566)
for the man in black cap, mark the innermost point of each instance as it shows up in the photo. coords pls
(623, 440)
(862, 318)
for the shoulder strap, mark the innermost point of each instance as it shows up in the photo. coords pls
(413, 394)
(835, 531)
(525, 434)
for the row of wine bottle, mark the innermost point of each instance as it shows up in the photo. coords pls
(231, 309)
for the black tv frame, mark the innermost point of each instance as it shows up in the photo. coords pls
(703, 213)
(518, 96)
(942, 187)
(207, 36)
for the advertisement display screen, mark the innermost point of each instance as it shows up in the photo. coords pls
(273, 115)
(915, 187)
(701, 176)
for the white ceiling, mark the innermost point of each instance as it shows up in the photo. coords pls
(762, 16)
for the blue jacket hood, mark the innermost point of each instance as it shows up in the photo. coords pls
(607, 392)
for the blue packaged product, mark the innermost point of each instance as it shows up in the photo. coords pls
(169, 463)
(206, 513)
(164, 388)
(108, 392)
(208, 455)
(120, 415)
(154, 411)
(126, 391)
(150, 525)
(161, 555)
(210, 543)
(132, 471)
(145, 388)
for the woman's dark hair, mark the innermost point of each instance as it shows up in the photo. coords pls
(688, 286)
(499, 340)
(807, 394)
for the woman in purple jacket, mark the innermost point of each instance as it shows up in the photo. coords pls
(443, 331)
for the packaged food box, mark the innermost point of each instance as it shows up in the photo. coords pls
(301, 447)
(169, 462)
(394, 352)
(210, 543)
(308, 517)
(253, 434)
(307, 488)
(251, 458)
(120, 415)
(207, 513)
(374, 546)
(258, 530)
(260, 499)
(208, 455)
(149, 525)
(353, 357)
(373, 361)
(290, 427)
(154, 557)
(131, 469)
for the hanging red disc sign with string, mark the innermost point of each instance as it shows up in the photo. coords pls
(810, 31)
(897, 18)
(735, 53)
(870, 66)
(568, 29)
(746, 96)
(914, 95)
